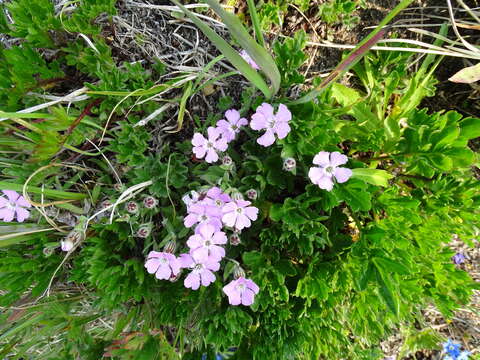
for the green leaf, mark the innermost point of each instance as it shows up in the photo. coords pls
(261, 57)
(355, 194)
(386, 293)
(253, 259)
(390, 265)
(230, 53)
(344, 95)
(372, 176)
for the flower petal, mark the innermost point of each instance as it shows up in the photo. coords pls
(229, 219)
(283, 114)
(198, 140)
(251, 212)
(325, 183)
(212, 156)
(213, 133)
(152, 265)
(7, 214)
(221, 144)
(247, 297)
(266, 110)
(315, 173)
(192, 281)
(3, 202)
(22, 202)
(242, 222)
(199, 151)
(219, 238)
(12, 195)
(194, 241)
(282, 129)
(258, 122)
(322, 159)
(164, 272)
(190, 220)
(337, 159)
(266, 139)
(232, 116)
(342, 174)
(207, 277)
(251, 285)
(22, 213)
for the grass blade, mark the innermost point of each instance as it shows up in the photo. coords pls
(56, 194)
(256, 52)
(229, 52)
(256, 23)
(360, 50)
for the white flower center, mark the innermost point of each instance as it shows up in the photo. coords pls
(271, 123)
(239, 210)
(209, 144)
(208, 242)
(198, 267)
(10, 206)
(203, 218)
(234, 127)
(241, 287)
(163, 261)
(329, 169)
(219, 202)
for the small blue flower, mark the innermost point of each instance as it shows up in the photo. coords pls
(451, 348)
(458, 258)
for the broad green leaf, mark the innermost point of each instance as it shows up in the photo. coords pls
(261, 57)
(390, 265)
(229, 52)
(372, 176)
(467, 75)
(344, 95)
(386, 292)
(440, 161)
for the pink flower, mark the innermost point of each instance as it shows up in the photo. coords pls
(231, 127)
(249, 60)
(241, 291)
(201, 271)
(218, 197)
(238, 214)
(13, 206)
(204, 246)
(264, 118)
(163, 264)
(328, 169)
(201, 213)
(210, 146)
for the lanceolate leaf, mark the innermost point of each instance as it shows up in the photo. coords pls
(467, 75)
(372, 176)
(256, 52)
(229, 52)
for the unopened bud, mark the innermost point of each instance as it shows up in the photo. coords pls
(150, 202)
(174, 278)
(170, 247)
(237, 195)
(132, 207)
(47, 251)
(144, 231)
(234, 239)
(105, 203)
(227, 160)
(118, 187)
(75, 236)
(238, 272)
(252, 194)
(66, 244)
(289, 164)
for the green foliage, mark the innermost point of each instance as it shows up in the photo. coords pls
(338, 270)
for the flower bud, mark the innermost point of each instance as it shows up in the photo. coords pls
(75, 236)
(238, 272)
(174, 278)
(105, 203)
(234, 239)
(237, 195)
(150, 202)
(144, 231)
(227, 160)
(47, 251)
(251, 194)
(289, 164)
(132, 207)
(66, 244)
(118, 187)
(170, 247)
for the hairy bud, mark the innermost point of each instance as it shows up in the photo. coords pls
(170, 247)
(234, 239)
(150, 202)
(289, 164)
(251, 194)
(132, 207)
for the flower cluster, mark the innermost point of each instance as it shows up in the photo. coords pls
(209, 213)
(452, 351)
(13, 206)
(226, 130)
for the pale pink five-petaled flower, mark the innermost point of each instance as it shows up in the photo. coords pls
(204, 245)
(241, 291)
(203, 213)
(209, 147)
(249, 60)
(238, 214)
(201, 271)
(164, 265)
(273, 124)
(231, 126)
(328, 169)
(13, 205)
